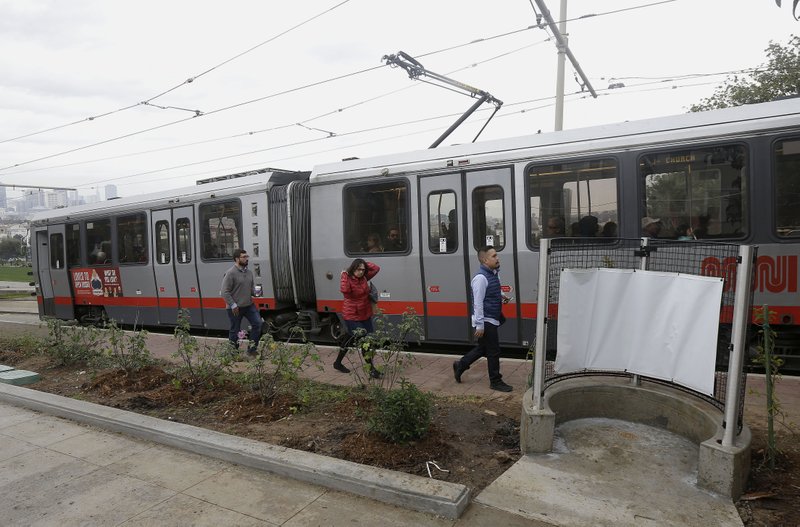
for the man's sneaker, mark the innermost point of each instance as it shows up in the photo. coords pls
(250, 354)
(500, 386)
(375, 374)
(457, 371)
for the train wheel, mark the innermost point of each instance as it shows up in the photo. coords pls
(336, 329)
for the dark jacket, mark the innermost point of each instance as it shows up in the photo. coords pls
(493, 300)
(357, 305)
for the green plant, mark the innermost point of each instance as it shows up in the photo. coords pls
(126, 351)
(385, 349)
(278, 364)
(401, 415)
(765, 357)
(200, 366)
(69, 344)
(24, 344)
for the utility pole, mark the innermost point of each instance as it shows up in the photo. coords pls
(563, 49)
(562, 59)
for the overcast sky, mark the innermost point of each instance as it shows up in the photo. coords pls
(65, 62)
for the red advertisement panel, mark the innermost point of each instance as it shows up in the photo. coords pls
(93, 282)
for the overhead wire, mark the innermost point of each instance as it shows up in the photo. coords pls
(187, 81)
(259, 99)
(574, 95)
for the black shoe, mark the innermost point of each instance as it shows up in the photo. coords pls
(375, 374)
(338, 366)
(457, 371)
(500, 386)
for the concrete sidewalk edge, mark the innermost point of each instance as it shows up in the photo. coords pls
(397, 488)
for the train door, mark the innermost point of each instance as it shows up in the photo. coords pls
(59, 274)
(164, 266)
(444, 258)
(185, 263)
(48, 306)
(489, 203)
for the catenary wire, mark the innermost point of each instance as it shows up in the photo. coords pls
(574, 95)
(199, 114)
(187, 81)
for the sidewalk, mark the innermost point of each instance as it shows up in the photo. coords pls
(56, 472)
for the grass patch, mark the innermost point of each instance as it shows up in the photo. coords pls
(15, 274)
(5, 295)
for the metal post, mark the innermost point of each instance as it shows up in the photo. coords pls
(562, 58)
(636, 380)
(541, 327)
(741, 319)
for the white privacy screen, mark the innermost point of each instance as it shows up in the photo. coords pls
(661, 325)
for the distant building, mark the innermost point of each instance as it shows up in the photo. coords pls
(111, 191)
(3, 199)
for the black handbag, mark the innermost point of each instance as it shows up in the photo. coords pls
(373, 293)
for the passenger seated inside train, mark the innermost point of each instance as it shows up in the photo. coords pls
(555, 227)
(651, 227)
(394, 241)
(610, 229)
(588, 227)
(374, 243)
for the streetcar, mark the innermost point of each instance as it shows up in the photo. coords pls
(730, 175)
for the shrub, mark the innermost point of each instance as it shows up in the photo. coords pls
(401, 415)
(278, 364)
(69, 344)
(22, 345)
(385, 349)
(126, 351)
(200, 366)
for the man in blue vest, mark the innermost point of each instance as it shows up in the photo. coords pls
(487, 315)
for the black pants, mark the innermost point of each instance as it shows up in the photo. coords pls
(489, 347)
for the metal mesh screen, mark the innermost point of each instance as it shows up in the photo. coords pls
(695, 258)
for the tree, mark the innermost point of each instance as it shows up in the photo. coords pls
(779, 78)
(10, 248)
(794, 7)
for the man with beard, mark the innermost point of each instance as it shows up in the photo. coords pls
(487, 315)
(237, 291)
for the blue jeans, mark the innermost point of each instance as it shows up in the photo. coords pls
(353, 325)
(253, 317)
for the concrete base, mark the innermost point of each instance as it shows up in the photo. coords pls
(18, 377)
(721, 470)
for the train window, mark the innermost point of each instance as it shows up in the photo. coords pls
(57, 251)
(488, 222)
(132, 238)
(221, 229)
(73, 244)
(162, 242)
(183, 240)
(573, 199)
(787, 188)
(376, 218)
(697, 192)
(98, 241)
(443, 222)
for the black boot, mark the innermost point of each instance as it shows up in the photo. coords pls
(337, 365)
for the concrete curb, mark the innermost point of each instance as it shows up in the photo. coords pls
(397, 488)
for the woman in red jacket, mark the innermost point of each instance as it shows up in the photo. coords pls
(357, 309)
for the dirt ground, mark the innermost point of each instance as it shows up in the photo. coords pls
(473, 440)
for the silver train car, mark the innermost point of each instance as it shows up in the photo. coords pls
(727, 175)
